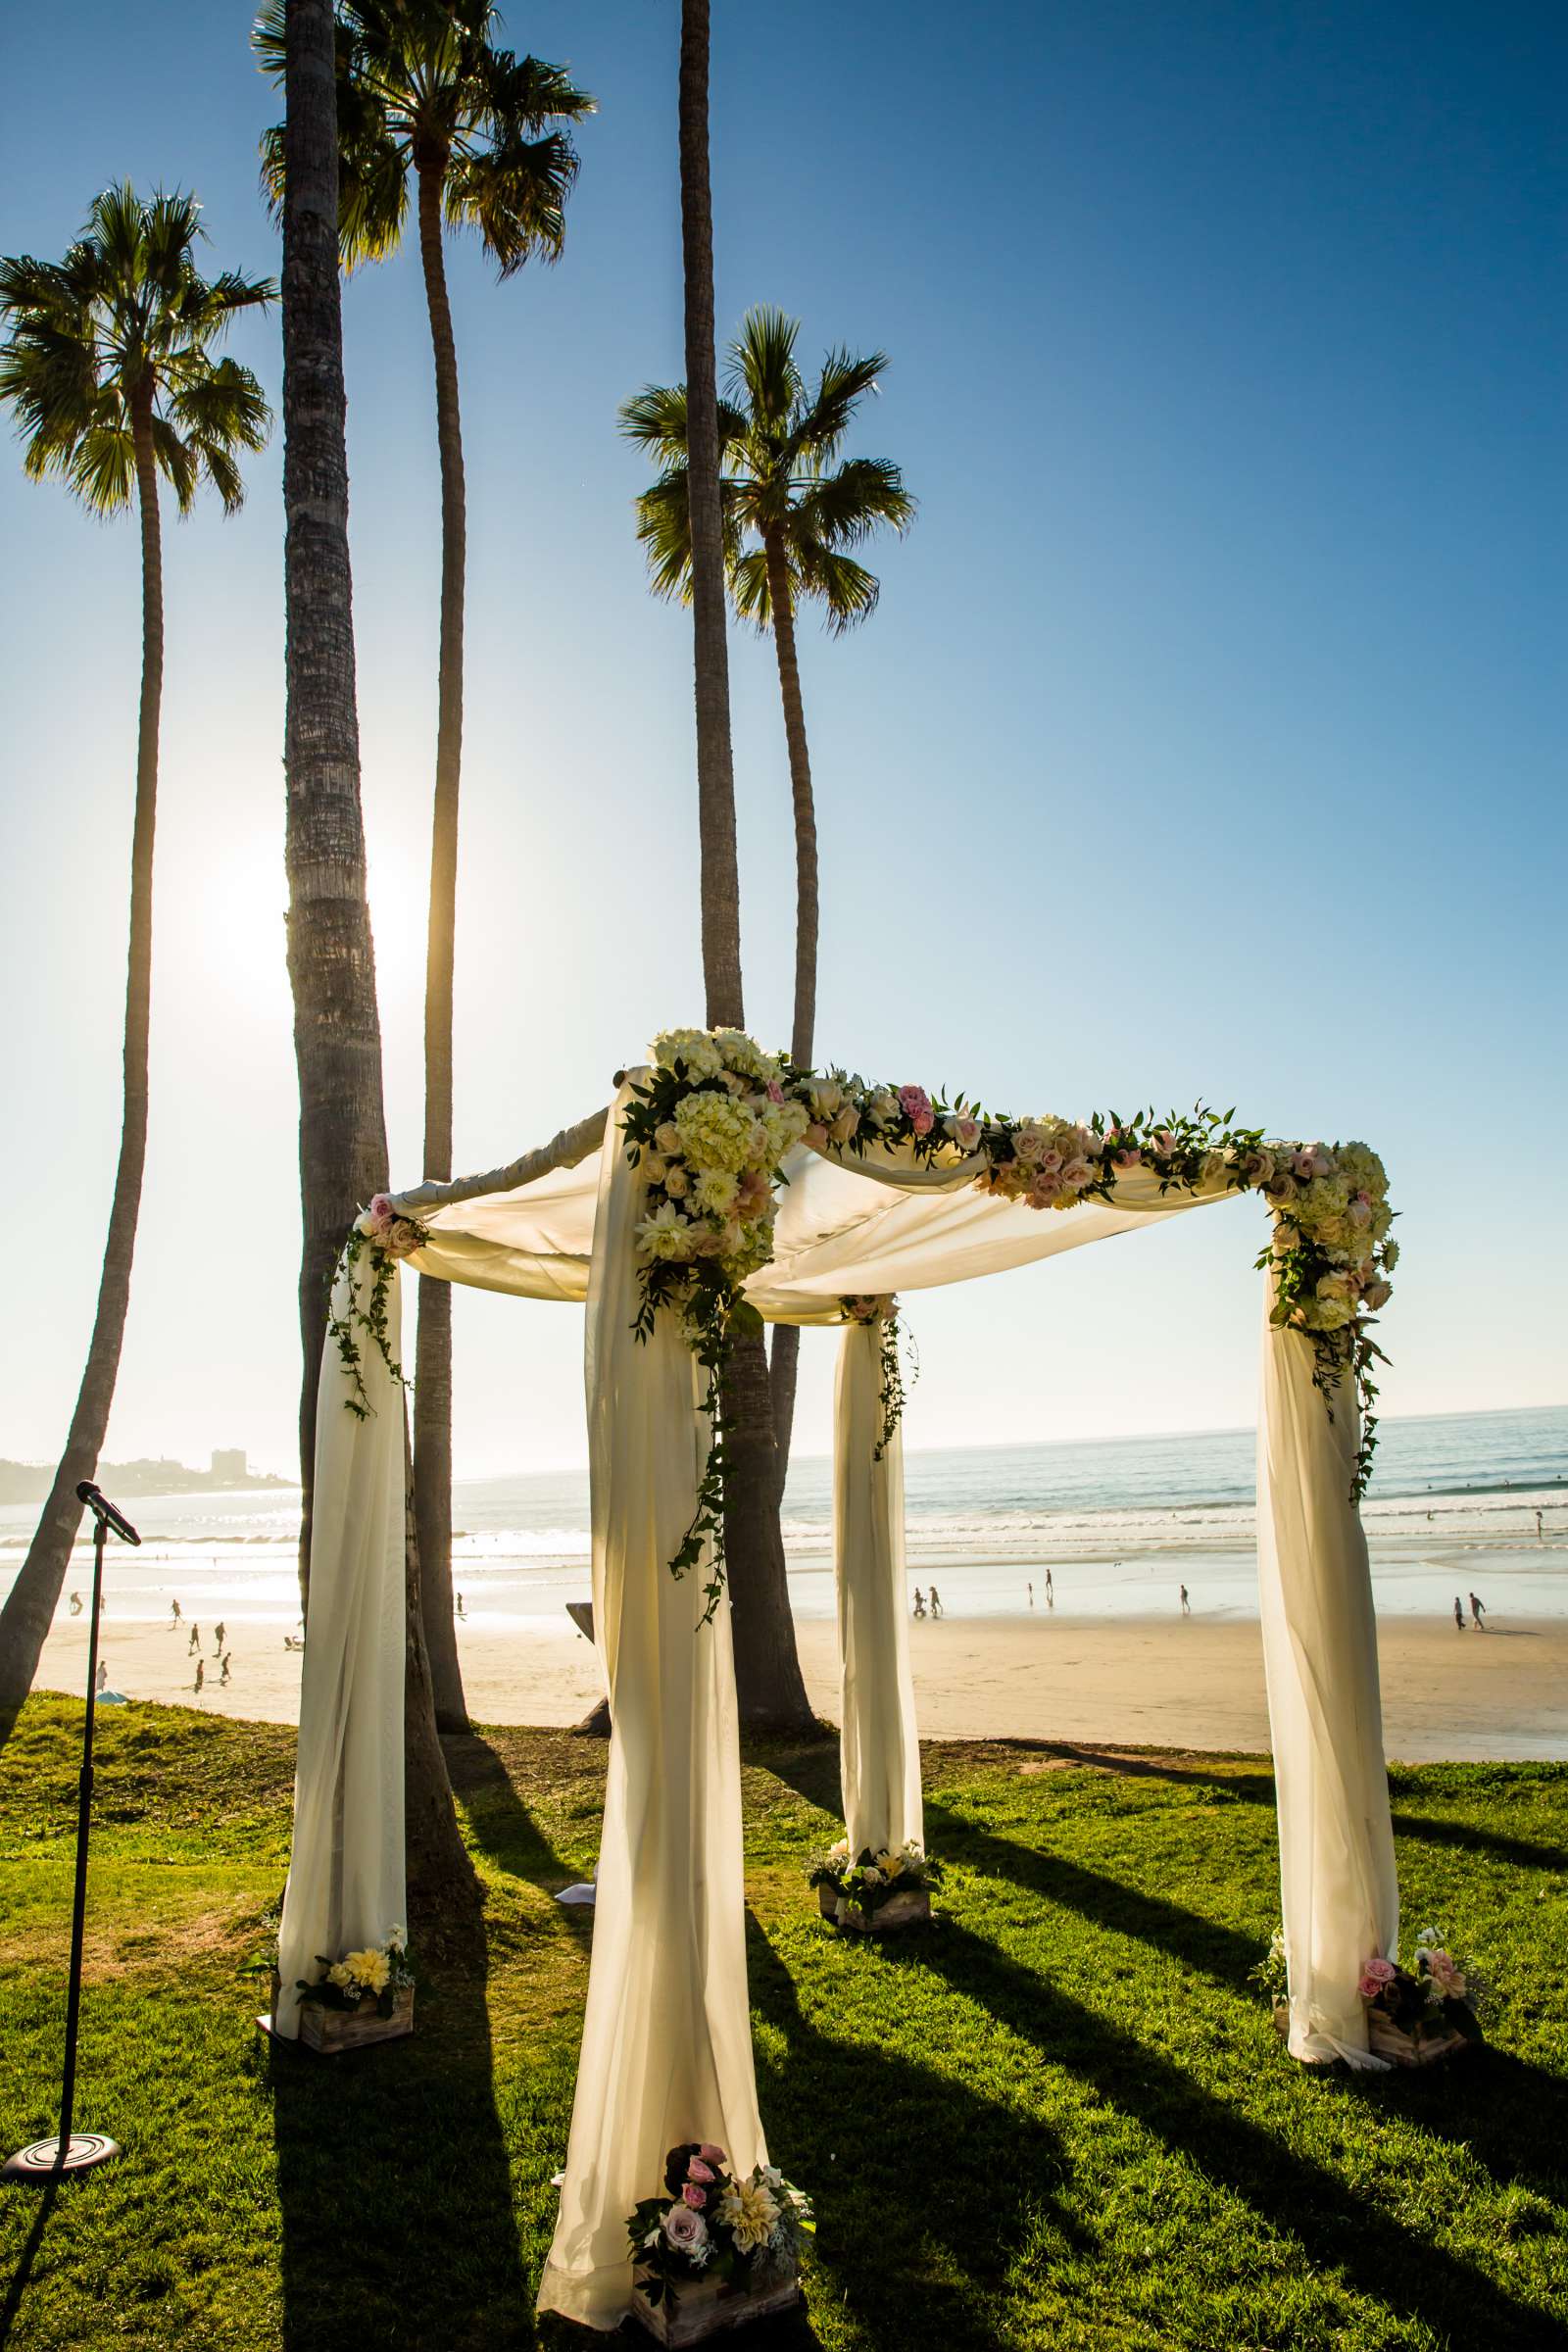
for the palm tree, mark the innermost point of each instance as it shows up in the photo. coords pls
(332, 958)
(110, 366)
(769, 1687)
(423, 95)
(791, 511)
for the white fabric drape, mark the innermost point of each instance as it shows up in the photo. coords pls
(1339, 1889)
(667, 2047)
(878, 1743)
(346, 1885)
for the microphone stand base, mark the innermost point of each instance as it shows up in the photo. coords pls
(42, 2162)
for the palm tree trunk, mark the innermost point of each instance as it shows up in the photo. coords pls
(721, 887)
(784, 1364)
(767, 1673)
(331, 961)
(433, 1362)
(29, 1606)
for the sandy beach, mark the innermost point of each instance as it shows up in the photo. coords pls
(1155, 1682)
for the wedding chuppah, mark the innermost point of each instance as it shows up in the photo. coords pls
(722, 1186)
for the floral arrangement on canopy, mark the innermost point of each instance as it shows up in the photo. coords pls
(380, 1973)
(715, 2223)
(710, 1127)
(867, 1881)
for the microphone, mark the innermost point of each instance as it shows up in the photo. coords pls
(104, 1511)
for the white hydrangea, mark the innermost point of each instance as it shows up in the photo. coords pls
(715, 1132)
(695, 1048)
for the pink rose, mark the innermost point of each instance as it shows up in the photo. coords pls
(1049, 1163)
(1445, 1974)
(845, 1124)
(712, 2155)
(1076, 1174)
(1044, 1191)
(1165, 1143)
(381, 1210)
(775, 1093)
(816, 1136)
(685, 2230)
(1128, 1156)
(697, 2170)
(967, 1134)
(694, 2196)
(922, 1121)
(1376, 1977)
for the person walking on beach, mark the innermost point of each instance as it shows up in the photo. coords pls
(1478, 1614)
(102, 1679)
(1458, 1612)
(461, 1611)
(201, 1673)
(1186, 1606)
(75, 1604)
(224, 1677)
(195, 1641)
(1540, 1533)
(1031, 1596)
(919, 1602)
(936, 1602)
(218, 1640)
(175, 1620)
(1050, 1592)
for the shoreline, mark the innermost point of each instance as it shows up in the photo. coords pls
(1161, 1681)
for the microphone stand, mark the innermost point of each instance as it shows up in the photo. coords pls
(45, 2161)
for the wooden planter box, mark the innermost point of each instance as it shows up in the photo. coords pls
(711, 2307)
(331, 2031)
(909, 1910)
(1385, 2040)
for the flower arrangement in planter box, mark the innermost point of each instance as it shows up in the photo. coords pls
(1414, 2015)
(875, 1892)
(366, 1996)
(1417, 2014)
(719, 2248)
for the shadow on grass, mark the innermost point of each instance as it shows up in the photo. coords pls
(1512, 2116)
(394, 2184)
(1215, 1951)
(1337, 2229)
(16, 2284)
(873, 2135)
(811, 1771)
(498, 1822)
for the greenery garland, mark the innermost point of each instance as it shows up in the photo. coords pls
(381, 1237)
(884, 1309)
(710, 1125)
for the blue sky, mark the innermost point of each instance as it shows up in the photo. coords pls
(1209, 739)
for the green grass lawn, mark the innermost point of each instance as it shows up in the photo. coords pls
(1058, 2118)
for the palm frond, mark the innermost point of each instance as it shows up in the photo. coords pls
(846, 590)
(762, 376)
(751, 589)
(665, 532)
(515, 194)
(100, 466)
(862, 495)
(843, 383)
(176, 462)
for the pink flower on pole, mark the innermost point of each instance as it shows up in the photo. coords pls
(775, 1093)
(1128, 1156)
(915, 1104)
(1164, 1143)
(966, 1133)
(816, 1136)
(381, 1212)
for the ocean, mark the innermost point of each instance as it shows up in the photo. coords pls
(1120, 1522)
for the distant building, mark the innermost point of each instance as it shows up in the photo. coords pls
(228, 1462)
